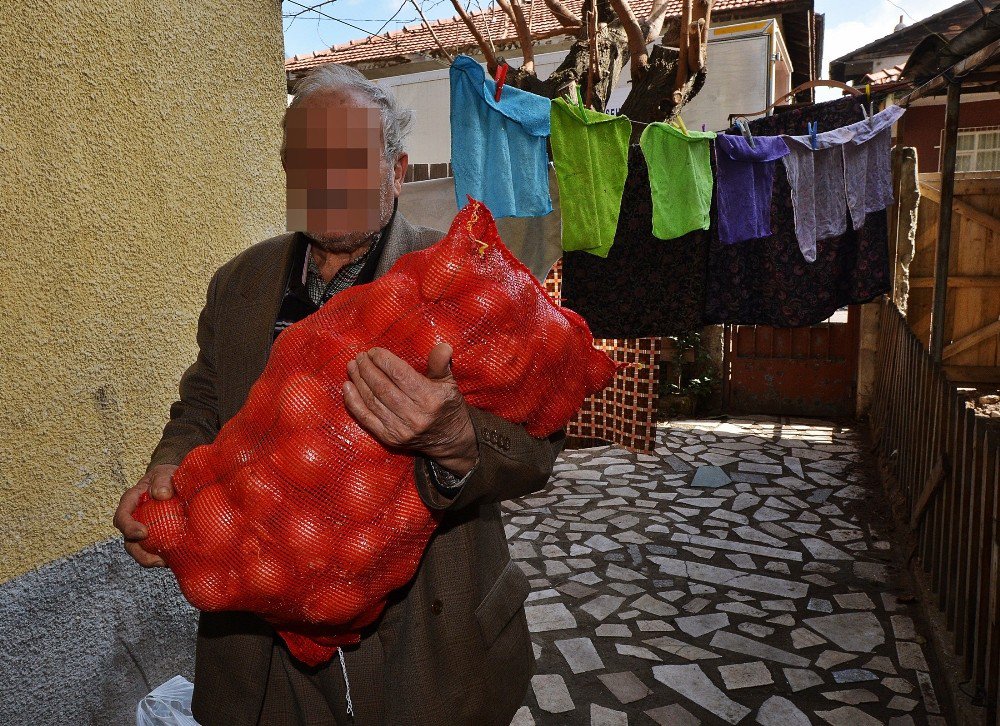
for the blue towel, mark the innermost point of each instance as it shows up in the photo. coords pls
(498, 152)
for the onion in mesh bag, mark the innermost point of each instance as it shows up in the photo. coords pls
(295, 512)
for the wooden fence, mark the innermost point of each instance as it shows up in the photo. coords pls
(972, 315)
(944, 463)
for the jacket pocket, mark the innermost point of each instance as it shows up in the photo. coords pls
(503, 601)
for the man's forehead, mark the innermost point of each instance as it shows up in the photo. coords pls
(310, 116)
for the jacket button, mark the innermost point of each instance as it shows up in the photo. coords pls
(437, 607)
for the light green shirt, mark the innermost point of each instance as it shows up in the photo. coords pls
(590, 154)
(680, 178)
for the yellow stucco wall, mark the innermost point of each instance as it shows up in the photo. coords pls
(138, 151)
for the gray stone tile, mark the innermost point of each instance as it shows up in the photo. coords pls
(824, 550)
(739, 644)
(854, 675)
(898, 685)
(681, 649)
(602, 606)
(692, 683)
(911, 657)
(745, 675)
(603, 716)
(852, 697)
(580, 654)
(698, 625)
(848, 716)
(637, 651)
(672, 715)
(831, 658)
(626, 686)
(551, 693)
(554, 616)
(523, 717)
(779, 711)
(773, 553)
(801, 678)
(858, 632)
(731, 578)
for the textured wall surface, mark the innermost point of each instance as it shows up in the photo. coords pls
(138, 151)
(86, 637)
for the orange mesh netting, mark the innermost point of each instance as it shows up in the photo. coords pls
(296, 513)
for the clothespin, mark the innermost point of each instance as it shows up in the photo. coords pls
(813, 127)
(744, 129)
(703, 127)
(868, 96)
(579, 101)
(679, 123)
(501, 79)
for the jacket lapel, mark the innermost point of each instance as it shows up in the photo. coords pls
(261, 289)
(401, 236)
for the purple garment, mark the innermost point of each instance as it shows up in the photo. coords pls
(744, 178)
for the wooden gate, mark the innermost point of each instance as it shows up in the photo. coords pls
(809, 371)
(972, 316)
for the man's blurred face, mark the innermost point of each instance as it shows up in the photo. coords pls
(339, 184)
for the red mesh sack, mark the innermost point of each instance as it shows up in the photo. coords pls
(296, 513)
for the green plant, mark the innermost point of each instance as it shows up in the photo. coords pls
(691, 371)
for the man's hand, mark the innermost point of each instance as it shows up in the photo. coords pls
(403, 409)
(157, 482)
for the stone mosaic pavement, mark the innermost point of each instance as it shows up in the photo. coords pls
(733, 577)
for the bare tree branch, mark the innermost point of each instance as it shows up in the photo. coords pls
(636, 38)
(431, 30)
(523, 34)
(564, 15)
(486, 48)
(654, 23)
(592, 67)
(683, 46)
(505, 6)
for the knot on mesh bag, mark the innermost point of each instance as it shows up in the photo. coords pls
(295, 512)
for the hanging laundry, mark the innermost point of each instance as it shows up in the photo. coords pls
(767, 281)
(744, 181)
(868, 164)
(498, 148)
(646, 287)
(533, 240)
(835, 178)
(590, 153)
(680, 177)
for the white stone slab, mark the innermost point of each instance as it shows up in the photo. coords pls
(778, 711)
(731, 578)
(580, 655)
(551, 693)
(747, 646)
(692, 683)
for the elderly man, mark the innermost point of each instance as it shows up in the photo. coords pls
(452, 646)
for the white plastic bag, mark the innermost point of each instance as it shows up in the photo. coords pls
(167, 705)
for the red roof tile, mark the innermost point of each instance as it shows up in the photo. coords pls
(455, 36)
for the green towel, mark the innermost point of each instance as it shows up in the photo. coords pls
(590, 153)
(680, 178)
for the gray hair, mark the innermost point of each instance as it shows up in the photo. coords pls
(334, 77)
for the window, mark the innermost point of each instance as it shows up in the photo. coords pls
(978, 149)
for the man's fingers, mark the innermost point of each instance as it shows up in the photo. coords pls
(132, 530)
(396, 402)
(368, 420)
(160, 486)
(401, 373)
(439, 362)
(144, 558)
